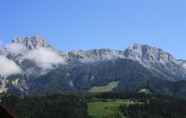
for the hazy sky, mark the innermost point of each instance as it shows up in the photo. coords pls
(85, 24)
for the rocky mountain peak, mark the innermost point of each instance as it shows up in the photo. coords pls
(144, 53)
(32, 42)
(95, 55)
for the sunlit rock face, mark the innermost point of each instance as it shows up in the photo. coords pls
(95, 55)
(32, 42)
(145, 53)
(22, 45)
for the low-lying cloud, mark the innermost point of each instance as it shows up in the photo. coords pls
(16, 48)
(45, 57)
(8, 67)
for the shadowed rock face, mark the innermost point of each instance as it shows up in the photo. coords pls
(4, 113)
(31, 42)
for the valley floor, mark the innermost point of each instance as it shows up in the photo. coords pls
(109, 108)
(106, 108)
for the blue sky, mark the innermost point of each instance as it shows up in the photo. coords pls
(87, 24)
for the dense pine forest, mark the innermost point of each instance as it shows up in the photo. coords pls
(55, 106)
(101, 105)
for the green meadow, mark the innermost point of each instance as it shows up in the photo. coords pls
(106, 108)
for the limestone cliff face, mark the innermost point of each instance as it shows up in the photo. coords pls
(145, 53)
(157, 60)
(32, 42)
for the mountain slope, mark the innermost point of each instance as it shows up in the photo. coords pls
(44, 70)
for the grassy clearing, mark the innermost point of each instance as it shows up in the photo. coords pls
(106, 109)
(106, 88)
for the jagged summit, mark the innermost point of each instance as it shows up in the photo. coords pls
(32, 42)
(95, 55)
(144, 52)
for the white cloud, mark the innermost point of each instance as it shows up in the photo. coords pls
(8, 67)
(45, 57)
(16, 48)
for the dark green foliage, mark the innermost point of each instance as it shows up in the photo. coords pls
(133, 105)
(56, 106)
(156, 107)
(4, 113)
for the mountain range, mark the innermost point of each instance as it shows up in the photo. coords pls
(31, 66)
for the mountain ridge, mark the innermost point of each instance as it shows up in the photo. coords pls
(45, 69)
